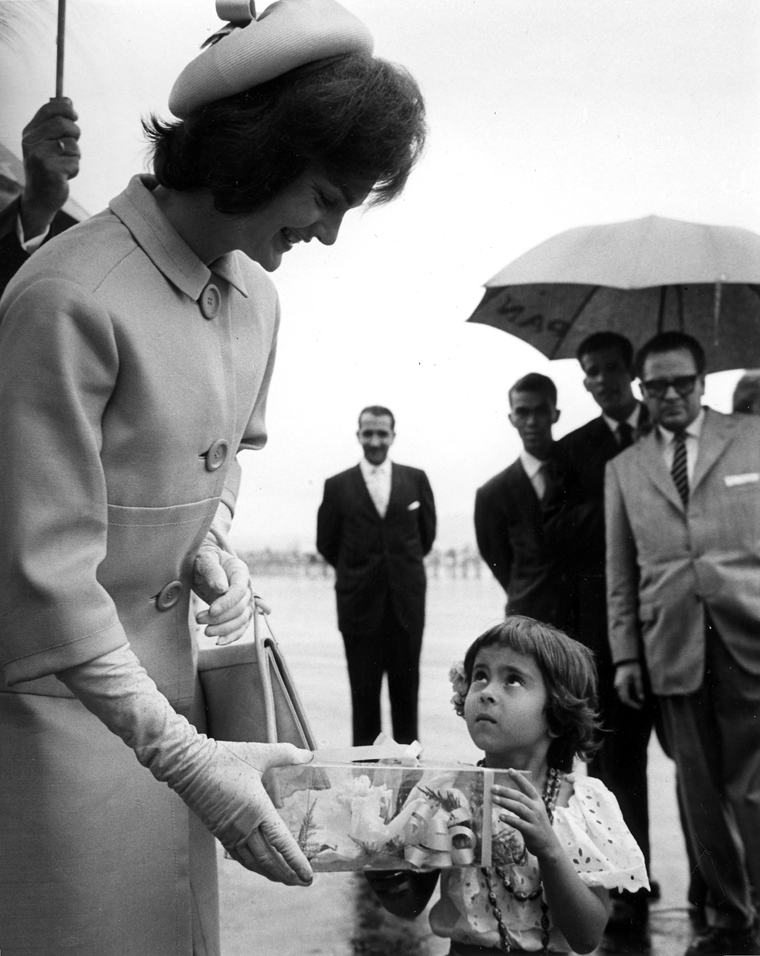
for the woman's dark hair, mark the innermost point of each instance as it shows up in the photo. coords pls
(569, 673)
(356, 116)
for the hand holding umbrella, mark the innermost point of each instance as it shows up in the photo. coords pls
(51, 159)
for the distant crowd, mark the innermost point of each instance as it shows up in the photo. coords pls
(462, 562)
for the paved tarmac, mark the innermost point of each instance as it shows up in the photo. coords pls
(338, 915)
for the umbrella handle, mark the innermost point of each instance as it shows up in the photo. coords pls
(60, 47)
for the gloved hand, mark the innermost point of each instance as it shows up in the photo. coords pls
(223, 581)
(219, 780)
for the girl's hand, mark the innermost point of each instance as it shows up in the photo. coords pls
(524, 809)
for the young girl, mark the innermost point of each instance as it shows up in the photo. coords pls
(527, 691)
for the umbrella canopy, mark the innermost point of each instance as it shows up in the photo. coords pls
(637, 278)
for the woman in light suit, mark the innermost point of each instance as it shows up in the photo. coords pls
(136, 353)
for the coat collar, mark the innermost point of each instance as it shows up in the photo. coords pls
(160, 242)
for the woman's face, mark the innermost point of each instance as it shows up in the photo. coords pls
(311, 207)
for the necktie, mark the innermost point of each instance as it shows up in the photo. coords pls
(678, 470)
(625, 435)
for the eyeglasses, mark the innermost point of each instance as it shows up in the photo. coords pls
(658, 387)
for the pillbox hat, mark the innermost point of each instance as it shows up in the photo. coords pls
(251, 51)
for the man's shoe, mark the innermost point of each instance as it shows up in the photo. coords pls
(719, 941)
(697, 917)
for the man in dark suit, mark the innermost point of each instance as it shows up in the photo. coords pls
(33, 214)
(513, 537)
(607, 362)
(683, 588)
(375, 525)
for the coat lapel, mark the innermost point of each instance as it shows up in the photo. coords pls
(652, 462)
(523, 484)
(362, 493)
(717, 432)
(395, 478)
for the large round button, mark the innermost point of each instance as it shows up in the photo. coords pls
(217, 454)
(211, 300)
(169, 595)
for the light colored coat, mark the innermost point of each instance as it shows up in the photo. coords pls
(666, 564)
(120, 374)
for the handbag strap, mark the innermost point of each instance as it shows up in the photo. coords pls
(264, 674)
(266, 648)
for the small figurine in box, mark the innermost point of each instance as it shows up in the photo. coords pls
(527, 693)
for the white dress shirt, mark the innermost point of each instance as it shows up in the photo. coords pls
(534, 469)
(693, 432)
(377, 478)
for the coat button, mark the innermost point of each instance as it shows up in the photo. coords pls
(217, 454)
(211, 300)
(169, 595)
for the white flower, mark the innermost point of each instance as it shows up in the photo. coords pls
(460, 684)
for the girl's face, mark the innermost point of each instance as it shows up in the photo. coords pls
(311, 207)
(505, 709)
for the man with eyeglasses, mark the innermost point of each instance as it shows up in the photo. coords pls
(683, 590)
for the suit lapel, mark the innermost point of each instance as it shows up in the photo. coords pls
(716, 434)
(395, 480)
(605, 440)
(362, 492)
(651, 461)
(524, 484)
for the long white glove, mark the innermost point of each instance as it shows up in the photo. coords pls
(222, 580)
(219, 780)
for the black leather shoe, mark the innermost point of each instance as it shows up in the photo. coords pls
(697, 917)
(719, 941)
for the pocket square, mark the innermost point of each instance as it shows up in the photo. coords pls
(413, 506)
(746, 479)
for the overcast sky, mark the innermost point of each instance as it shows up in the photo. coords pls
(544, 115)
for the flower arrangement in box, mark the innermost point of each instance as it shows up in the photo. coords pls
(381, 816)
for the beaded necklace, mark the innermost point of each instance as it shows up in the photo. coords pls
(549, 796)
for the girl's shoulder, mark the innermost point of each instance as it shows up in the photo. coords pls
(590, 827)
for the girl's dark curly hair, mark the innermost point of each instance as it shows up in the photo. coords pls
(569, 673)
(357, 116)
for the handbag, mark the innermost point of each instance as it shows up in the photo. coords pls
(249, 692)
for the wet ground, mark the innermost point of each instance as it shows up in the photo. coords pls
(338, 915)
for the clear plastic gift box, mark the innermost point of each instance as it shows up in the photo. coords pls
(389, 815)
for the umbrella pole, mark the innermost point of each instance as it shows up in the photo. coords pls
(60, 45)
(661, 311)
(716, 311)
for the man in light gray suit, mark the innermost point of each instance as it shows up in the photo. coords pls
(683, 578)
